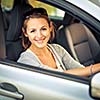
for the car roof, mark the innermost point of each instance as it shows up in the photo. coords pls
(88, 6)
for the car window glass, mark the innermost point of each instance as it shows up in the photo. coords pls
(7, 4)
(52, 11)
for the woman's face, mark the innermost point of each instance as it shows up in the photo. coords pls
(38, 31)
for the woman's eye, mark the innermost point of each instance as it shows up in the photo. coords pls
(44, 28)
(32, 31)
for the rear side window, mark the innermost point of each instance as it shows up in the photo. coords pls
(7, 4)
(53, 12)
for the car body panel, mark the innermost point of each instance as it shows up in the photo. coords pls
(89, 7)
(41, 85)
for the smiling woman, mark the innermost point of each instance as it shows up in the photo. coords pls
(37, 31)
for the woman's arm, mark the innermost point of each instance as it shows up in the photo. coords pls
(74, 67)
(86, 71)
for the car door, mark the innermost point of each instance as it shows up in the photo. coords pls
(22, 82)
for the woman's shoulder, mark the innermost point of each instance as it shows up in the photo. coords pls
(25, 55)
(54, 45)
(57, 47)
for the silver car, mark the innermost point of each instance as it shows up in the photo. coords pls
(24, 82)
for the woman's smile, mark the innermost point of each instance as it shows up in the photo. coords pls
(40, 40)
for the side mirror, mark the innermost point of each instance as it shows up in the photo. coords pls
(95, 86)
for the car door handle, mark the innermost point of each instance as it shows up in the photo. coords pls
(9, 90)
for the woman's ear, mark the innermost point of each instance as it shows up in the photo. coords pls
(51, 26)
(24, 32)
(52, 30)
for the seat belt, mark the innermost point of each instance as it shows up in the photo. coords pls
(2, 37)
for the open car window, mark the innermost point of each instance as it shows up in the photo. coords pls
(7, 4)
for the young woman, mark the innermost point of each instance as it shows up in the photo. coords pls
(38, 30)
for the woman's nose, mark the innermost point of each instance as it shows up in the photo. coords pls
(38, 34)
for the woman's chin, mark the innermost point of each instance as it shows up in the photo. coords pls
(41, 45)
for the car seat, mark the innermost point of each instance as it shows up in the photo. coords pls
(13, 29)
(80, 42)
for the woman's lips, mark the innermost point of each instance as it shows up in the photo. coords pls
(40, 40)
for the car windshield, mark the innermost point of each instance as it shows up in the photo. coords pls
(96, 2)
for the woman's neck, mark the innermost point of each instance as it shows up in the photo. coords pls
(45, 56)
(40, 51)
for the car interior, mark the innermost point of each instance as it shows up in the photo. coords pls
(80, 42)
(13, 29)
(71, 33)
